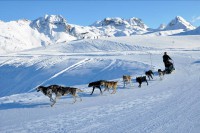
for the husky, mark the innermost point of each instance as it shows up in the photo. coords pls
(126, 80)
(67, 90)
(161, 73)
(59, 91)
(48, 91)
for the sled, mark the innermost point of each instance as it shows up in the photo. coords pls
(169, 67)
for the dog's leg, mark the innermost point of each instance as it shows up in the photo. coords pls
(78, 97)
(161, 76)
(100, 89)
(49, 94)
(131, 84)
(147, 82)
(114, 91)
(53, 102)
(58, 96)
(124, 84)
(92, 90)
(51, 99)
(151, 77)
(74, 96)
(140, 84)
(106, 88)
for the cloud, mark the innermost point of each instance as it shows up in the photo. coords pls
(195, 19)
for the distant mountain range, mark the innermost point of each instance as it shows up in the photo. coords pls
(53, 29)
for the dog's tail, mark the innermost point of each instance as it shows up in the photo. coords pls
(79, 90)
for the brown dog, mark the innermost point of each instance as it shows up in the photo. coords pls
(111, 84)
(126, 80)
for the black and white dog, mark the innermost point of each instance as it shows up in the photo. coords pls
(161, 73)
(141, 79)
(58, 91)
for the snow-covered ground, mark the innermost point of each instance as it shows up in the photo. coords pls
(164, 106)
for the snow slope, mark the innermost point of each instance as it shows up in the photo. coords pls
(191, 32)
(168, 105)
(18, 35)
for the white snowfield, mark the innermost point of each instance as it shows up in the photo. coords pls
(170, 105)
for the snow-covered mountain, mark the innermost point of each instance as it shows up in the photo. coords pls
(191, 32)
(177, 26)
(162, 27)
(18, 35)
(121, 27)
(25, 34)
(179, 23)
(53, 29)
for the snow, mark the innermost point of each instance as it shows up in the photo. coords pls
(55, 27)
(179, 23)
(121, 27)
(168, 105)
(48, 30)
(191, 32)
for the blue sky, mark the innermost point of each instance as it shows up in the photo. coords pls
(153, 13)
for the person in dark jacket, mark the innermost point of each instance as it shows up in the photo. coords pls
(166, 59)
(169, 66)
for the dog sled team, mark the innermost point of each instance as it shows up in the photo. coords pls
(59, 91)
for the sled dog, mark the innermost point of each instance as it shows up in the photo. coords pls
(97, 84)
(59, 91)
(161, 73)
(141, 79)
(111, 84)
(149, 74)
(126, 80)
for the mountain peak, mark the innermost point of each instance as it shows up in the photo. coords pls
(120, 22)
(54, 19)
(162, 27)
(115, 21)
(137, 22)
(50, 25)
(179, 23)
